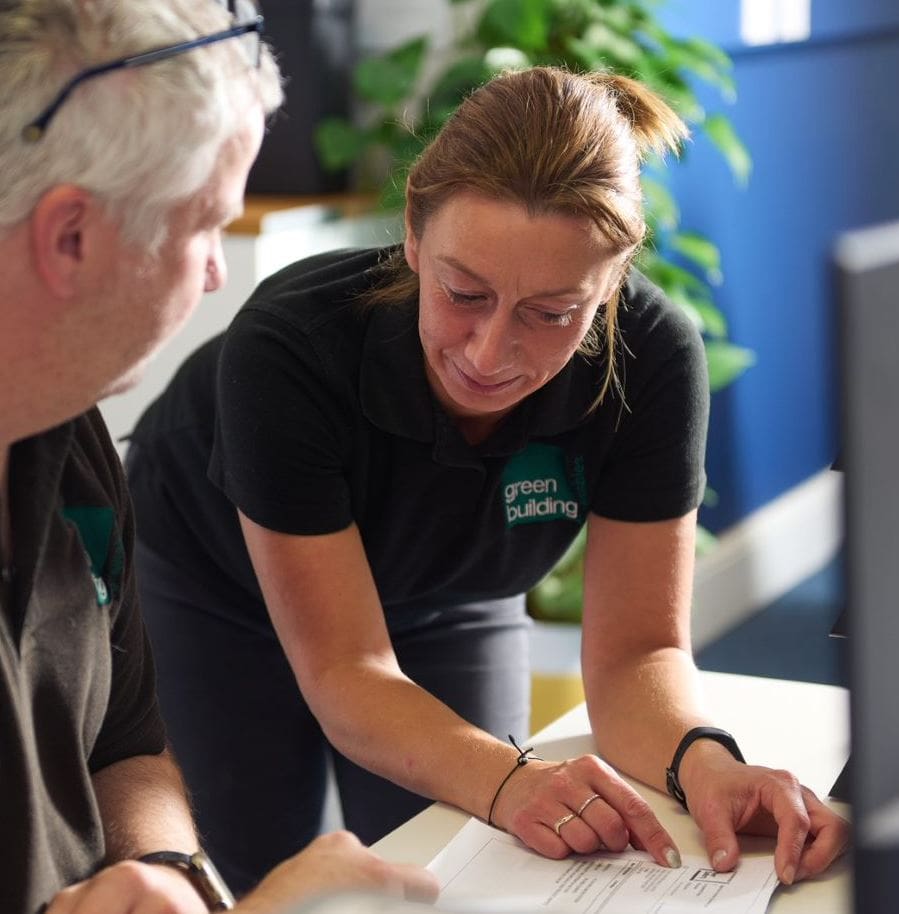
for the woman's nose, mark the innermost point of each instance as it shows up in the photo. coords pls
(491, 346)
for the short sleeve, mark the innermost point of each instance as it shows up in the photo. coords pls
(133, 723)
(654, 469)
(283, 428)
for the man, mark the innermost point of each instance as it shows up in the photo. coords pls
(118, 170)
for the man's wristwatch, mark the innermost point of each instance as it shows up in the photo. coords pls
(199, 869)
(672, 780)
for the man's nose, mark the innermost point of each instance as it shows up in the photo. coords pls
(216, 269)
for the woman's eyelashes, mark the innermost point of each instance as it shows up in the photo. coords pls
(556, 318)
(529, 312)
(464, 298)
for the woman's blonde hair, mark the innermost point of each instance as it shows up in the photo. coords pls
(552, 141)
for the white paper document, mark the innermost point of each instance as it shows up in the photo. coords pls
(486, 870)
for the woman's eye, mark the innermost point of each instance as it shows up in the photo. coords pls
(464, 298)
(556, 318)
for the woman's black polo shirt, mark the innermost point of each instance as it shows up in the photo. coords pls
(312, 412)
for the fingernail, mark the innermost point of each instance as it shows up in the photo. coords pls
(672, 858)
(789, 874)
(718, 858)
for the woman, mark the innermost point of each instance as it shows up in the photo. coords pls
(411, 438)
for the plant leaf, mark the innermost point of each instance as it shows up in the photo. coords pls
(609, 43)
(497, 59)
(706, 541)
(669, 276)
(685, 56)
(389, 78)
(660, 203)
(338, 143)
(713, 322)
(522, 24)
(454, 84)
(699, 250)
(726, 362)
(721, 132)
(711, 52)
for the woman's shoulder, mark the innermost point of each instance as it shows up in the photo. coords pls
(317, 290)
(648, 318)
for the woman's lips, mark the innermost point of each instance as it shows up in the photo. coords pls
(481, 388)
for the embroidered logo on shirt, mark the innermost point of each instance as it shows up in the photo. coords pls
(97, 528)
(536, 487)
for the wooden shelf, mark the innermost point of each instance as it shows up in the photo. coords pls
(258, 206)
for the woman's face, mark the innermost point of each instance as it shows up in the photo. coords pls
(506, 299)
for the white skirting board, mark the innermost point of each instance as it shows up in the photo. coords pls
(754, 563)
(767, 554)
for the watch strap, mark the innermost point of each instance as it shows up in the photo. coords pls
(202, 874)
(672, 779)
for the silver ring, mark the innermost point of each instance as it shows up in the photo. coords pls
(587, 802)
(562, 821)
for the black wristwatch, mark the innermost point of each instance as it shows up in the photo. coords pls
(204, 877)
(672, 781)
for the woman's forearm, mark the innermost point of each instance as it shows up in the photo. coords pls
(386, 723)
(640, 709)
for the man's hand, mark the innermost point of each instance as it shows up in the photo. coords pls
(332, 863)
(131, 888)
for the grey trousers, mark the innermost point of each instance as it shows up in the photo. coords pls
(252, 753)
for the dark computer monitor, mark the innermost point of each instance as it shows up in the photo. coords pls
(867, 264)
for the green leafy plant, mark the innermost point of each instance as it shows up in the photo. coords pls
(405, 108)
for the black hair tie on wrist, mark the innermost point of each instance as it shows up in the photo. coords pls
(524, 756)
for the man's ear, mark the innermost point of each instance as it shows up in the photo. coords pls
(410, 245)
(59, 223)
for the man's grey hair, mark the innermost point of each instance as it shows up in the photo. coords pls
(142, 140)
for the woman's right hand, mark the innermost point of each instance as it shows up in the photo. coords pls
(580, 805)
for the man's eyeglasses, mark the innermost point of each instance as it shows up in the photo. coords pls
(247, 27)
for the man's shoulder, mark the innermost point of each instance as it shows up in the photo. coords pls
(93, 466)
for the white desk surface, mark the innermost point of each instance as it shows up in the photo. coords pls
(800, 726)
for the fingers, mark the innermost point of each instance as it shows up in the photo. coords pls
(830, 837)
(576, 835)
(809, 836)
(338, 862)
(720, 840)
(781, 795)
(583, 806)
(639, 823)
(417, 884)
(130, 888)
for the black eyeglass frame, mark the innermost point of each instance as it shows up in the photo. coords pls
(32, 132)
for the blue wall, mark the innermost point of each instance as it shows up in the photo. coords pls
(821, 120)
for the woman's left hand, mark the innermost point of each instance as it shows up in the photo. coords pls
(726, 797)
